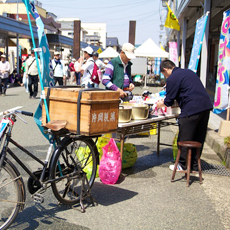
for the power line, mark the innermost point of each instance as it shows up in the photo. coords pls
(105, 6)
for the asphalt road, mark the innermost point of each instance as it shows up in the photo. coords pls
(144, 197)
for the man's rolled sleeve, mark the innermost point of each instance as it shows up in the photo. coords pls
(107, 78)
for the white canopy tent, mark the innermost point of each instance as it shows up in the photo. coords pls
(109, 53)
(150, 49)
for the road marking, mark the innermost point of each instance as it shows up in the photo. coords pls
(10, 110)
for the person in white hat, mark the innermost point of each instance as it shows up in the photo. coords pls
(4, 74)
(58, 69)
(117, 74)
(86, 69)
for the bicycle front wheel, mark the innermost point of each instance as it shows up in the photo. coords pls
(76, 156)
(11, 197)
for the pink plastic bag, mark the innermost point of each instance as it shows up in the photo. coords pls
(110, 164)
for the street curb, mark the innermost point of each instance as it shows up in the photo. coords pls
(217, 144)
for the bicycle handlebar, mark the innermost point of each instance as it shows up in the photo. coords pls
(24, 113)
(9, 113)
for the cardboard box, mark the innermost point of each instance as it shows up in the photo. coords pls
(98, 110)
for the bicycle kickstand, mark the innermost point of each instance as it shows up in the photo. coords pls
(85, 192)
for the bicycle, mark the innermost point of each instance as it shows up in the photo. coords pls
(70, 169)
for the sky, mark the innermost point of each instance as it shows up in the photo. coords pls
(116, 15)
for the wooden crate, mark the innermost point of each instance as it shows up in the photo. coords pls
(99, 109)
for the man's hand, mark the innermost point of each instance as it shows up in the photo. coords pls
(160, 104)
(122, 93)
(131, 87)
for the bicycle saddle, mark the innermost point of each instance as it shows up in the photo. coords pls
(56, 125)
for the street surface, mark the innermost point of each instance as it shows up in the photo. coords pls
(144, 197)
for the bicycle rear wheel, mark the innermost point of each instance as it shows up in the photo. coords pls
(77, 156)
(11, 196)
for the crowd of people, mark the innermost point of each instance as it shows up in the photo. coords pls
(64, 72)
(86, 71)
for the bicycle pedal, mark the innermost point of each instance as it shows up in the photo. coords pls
(38, 198)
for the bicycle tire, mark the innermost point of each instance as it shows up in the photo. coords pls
(75, 155)
(11, 195)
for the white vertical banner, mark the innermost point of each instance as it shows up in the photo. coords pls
(173, 55)
(12, 61)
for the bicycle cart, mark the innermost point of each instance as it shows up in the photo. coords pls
(70, 169)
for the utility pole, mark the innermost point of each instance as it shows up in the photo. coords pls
(132, 32)
(76, 38)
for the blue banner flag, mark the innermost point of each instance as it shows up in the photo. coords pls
(46, 74)
(157, 66)
(197, 42)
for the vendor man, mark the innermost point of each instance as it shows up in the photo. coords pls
(184, 86)
(117, 74)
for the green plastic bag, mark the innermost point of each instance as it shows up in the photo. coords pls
(82, 155)
(174, 146)
(129, 156)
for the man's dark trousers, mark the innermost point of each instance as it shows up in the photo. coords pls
(33, 80)
(192, 128)
(3, 85)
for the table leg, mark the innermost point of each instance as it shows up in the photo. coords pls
(158, 138)
(122, 139)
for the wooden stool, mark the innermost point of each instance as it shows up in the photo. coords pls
(189, 145)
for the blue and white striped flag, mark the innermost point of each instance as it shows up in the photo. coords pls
(46, 75)
(157, 65)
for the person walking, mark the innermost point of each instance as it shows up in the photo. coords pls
(78, 74)
(117, 74)
(87, 68)
(58, 69)
(4, 74)
(32, 75)
(184, 86)
(72, 71)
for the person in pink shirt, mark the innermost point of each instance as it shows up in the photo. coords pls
(72, 71)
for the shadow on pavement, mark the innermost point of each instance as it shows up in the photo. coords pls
(37, 216)
(108, 194)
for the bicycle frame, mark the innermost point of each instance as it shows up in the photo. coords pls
(20, 162)
(31, 155)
